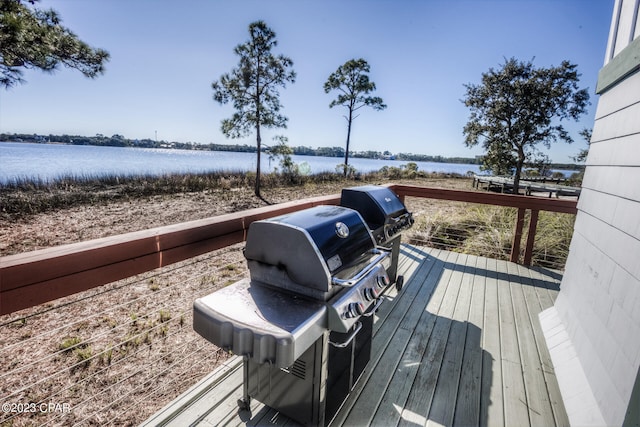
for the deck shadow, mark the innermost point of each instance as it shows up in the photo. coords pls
(452, 382)
(414, 254)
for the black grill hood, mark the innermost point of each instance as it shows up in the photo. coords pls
(376, 204)
(304, 250)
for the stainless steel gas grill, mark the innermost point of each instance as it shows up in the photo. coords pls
(303, 321)
(381, 208)
(385, 215)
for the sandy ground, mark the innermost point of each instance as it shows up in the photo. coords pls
(95, 221)
(118, 353)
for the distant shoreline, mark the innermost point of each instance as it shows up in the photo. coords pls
(50, 162)
(337, 152)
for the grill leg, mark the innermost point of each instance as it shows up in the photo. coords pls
(245, 402)
(392, 271)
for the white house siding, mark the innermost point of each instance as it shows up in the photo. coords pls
(626, 24)
(593, 330)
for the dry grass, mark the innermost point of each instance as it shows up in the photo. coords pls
(488, 231)
(22, 199)
(85, 221)
(117, 353)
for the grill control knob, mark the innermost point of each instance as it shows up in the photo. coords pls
(370, 294)
(383, 281)
(355, 309)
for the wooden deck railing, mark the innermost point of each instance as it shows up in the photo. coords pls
(36, 277)
(533, 204)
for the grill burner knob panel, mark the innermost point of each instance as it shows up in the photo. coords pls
(355, 309)
(348, 306)
(370, 294)
(382, 281)
(398, 225)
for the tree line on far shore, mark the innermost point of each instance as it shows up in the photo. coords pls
(121, 141)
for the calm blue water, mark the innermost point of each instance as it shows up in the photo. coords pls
(48, 162)
(51, 161)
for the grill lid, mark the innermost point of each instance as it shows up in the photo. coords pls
(307, 248)
(376, 204)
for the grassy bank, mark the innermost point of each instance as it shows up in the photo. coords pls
(22, 198)
(27, 197)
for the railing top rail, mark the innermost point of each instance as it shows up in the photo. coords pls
(509, 200)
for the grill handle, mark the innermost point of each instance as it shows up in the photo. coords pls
(374, 309)
(381, 254)
(351, 337)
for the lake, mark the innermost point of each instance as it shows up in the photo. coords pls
(20, 161)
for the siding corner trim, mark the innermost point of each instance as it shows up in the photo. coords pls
(620, 67)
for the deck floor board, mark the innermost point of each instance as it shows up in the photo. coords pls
(467, 410)
(460, 344)
(363, 410)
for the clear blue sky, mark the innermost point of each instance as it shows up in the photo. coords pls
(165, 55)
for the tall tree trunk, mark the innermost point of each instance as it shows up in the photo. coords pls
(346, 152)
(258, 138)
(519, 165)
(258, 143)
(258, 121)
(516, 180)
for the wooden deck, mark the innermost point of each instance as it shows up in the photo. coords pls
(461, 344)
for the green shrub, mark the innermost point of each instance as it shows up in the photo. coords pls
(68, 344)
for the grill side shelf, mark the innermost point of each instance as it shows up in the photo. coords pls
(259, 322)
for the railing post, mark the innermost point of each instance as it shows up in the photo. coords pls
(401, 197)
(531, 236)
(517, 236)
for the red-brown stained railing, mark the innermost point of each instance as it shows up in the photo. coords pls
(497, 199)
(534, 204)
(36, 277)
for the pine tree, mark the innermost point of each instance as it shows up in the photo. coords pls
(252, 87)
